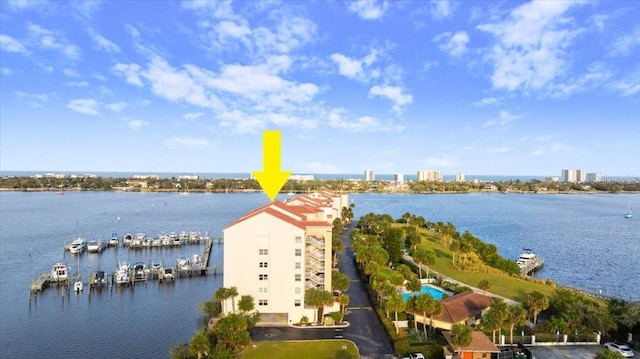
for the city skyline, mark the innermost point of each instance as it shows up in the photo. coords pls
(515, 88)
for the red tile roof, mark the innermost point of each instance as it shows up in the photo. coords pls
(294, 215)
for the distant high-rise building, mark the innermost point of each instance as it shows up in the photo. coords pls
(594, 177)
(459, 177)
(429, 175)
(369, 175)
(574, 176)
(398, 177)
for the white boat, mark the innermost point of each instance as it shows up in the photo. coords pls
(59, 272)
(114, 241)
(127, 239)
(138, 240)
(77, 286)
(528, 262)
(95, 246)
(139, 271)
(78, 246)
(122, 273)
(628, 214)
(168, 273)
(183, 263)
(196, 262)
(99, 278)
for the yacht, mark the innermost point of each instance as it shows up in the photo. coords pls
(77, 286)
(78, 246)
(95, 246)
(122, 273)
(99, 278)
(528, 262)
(168, 273)
(60, 272)
(114, 241)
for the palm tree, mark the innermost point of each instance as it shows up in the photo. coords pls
(414, 285)
(535, 303)
(426, 257)
(246, 304)
(396, 303)
(516, 315)
(484, 285)
(232, 292)
(200, 344)
(222, 294)
(455, 248)
(318, 298)
(461, 335)
(343, 299)
(497, 315)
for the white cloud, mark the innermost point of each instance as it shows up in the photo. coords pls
(6, 71)
(77, 84)
(318, 167)
(339, 118)
(369, 9)
(131, 73)
(232, 29)
(625, 43)
(192, 115)
(486, 101)
(241, 122)
(505, 118)
(453, 44)
(49, 40)
(499, 150)
(136, 124)
(117, 106)
(187, 142)
(10, 44)
(346, 66)
(104, 44)
(441, 8)
(629, 86)
(215, 9)
(435, 162)
(27, 4)
(86, 106)
(532, 45)
(394, 93)
(34, 99)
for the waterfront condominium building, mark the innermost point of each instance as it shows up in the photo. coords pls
(459, 177)
(573, 176)
(398, 177)
(594, 177)
(429, 175)
(277, 251)
(369, 175)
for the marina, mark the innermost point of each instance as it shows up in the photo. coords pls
(128, 275)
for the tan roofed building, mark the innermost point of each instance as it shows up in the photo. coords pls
(277, 251)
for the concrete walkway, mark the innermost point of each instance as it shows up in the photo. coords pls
(449, 279)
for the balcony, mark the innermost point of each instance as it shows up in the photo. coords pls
(315, 242)
(318, 280)
(316, 254)
(315, 265)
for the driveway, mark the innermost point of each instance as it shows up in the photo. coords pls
(566, 352)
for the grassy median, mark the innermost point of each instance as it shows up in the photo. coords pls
(308, 349)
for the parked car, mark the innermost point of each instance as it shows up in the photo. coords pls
(413, 356)
(621, 348)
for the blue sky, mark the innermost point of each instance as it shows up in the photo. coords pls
(477, 87)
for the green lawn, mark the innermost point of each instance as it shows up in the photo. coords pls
(515, 288)
(316, 349)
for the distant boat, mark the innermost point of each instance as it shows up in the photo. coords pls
(629, 214)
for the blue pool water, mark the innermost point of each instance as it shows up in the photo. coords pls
(434, 292)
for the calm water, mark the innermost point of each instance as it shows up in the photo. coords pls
(585, 240)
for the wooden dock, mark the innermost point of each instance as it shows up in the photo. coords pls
(532, 267)
(41, 282)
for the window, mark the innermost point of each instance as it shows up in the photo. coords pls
(262, 302)
(263, 251)
(298, 290)
(298, 266)
(263, 264)
(263, 276)
(298, 252)
(262, 290)
(298, 277)
(297, 302)
(298, 240)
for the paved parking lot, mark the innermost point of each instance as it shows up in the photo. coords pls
(565, 352)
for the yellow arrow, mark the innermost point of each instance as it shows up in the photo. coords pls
(271, 178)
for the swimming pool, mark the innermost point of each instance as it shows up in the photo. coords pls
(434, 292)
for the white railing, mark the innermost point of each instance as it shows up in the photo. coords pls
(314, 278)
(315, 242)
(314, 253)
(318, 267)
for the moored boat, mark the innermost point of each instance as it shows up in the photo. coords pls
(77, 286)
(528, 262)
(78, 246)
(122, 273)
(59, 272)
(114, 241)
(95, 246)
(99, 278)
